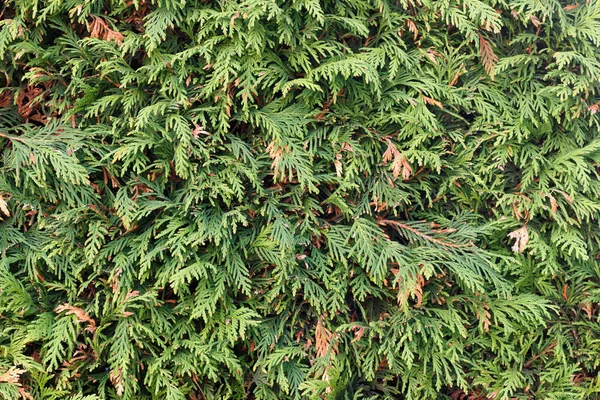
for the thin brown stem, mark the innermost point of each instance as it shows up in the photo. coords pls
(421, 234)
(12, 138)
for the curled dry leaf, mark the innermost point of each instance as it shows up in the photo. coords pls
(402, 293)
(400, 164)
(359, 331)
(99, 29)
(338, 168)
(275, 153)
(346, 147)
(81, 315)
(4, 206)
(199, 130)
(30, 100)
(432, 54)
(5, 99)
(432, 102)
(25, 394)
(457, 75)
(553, 203)
(133, 293)
(323, 339)
(485, 318)
(233, 18)
(567, 197)
(521, 237)
(12, 376)
(418, 291)
(413, 28)
(588, 308)
(116, 378)
(488, 57)
(338, 165)
(571, 7)
(76, 10)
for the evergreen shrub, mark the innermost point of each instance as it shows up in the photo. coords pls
(299, 199)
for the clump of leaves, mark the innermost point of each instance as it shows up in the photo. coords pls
(299, 199)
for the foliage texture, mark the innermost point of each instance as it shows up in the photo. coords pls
(286, 199)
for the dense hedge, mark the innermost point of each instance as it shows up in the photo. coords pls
(284, 199)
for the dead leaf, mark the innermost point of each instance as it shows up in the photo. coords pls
(77, 9)
(359, 331)
(485, 317)
(521, 237)
(5, 99)
(391, 152)
(30, 100)
(96, 27)
(323, 339)
(567, 197)
(346, 147)
(233, 18)
(553, 203)
(275, 152)
(406, 168)
(114, 280)
(26, 395)
(199, 130)
(419, 290)
(488, 57)
(81, 315)
(116, 378)
(134, 293)
(12, 376)
(571, 7)
(455, 79)
(433, 102)
(99, 29)
(516, 211)
(114, 35)
(400, 164)
(338, 165)
(413, 28)
(4, 206)
(431, 54)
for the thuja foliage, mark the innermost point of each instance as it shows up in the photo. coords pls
(286, 199)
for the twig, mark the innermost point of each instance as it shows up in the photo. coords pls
(4, 135)
(421, 234)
